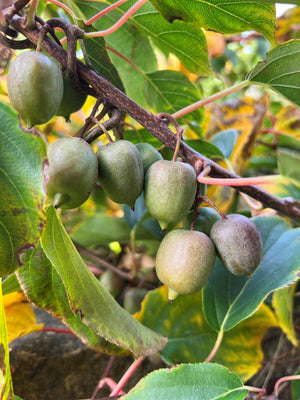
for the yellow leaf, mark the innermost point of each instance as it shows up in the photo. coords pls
(282, 303)
(216, 43)
(191, 338)
(288, 121)
(241, 346)
(246, 116)
(286, 25)
(20, 317)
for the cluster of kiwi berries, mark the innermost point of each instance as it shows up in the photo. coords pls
(185, 258)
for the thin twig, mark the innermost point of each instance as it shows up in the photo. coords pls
(119, 23)
(105, 11)
(128, 374)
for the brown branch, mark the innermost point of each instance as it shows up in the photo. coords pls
(155, 125)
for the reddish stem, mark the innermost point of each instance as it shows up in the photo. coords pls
(128, 374)
(215, 348)
(213, 205)
(104, 12)
(59, 4)
(57, 330)
(124, 58)
(106, 372)
(118, 24)
(284, 379)
(259, 180)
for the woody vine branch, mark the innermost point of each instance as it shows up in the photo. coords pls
(158, 127)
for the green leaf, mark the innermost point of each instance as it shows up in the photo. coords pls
(127, 41)
(170, 91)
(186, 41)
(229, 299)
(44, 288)
(10, 284)
(89, 300)
(21, 198)
(225, 141)
(289, 163)
(191, 339)
(143, 225)
(207, 149)
(99, 59)
(100, 229)
(283, 304)
(230, 16)
(133, 41)
(295, 386)
(194, 381)
(6, 388)
(280, 71)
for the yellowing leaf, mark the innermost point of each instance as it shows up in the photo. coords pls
(190, 338)
(216, 43)
(20, 317)
(6, 389)
(282, 303)
(246, 116)
(288, 121)
(240, 349)
(285, 25)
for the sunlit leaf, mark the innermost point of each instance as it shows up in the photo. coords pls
(190, 381)
(229, 299)
(170, 91)
(185, 41)
(278, 72)
(283, 304)
(6, 389)
(89, 299)
(21, 198)
(131, 49)
(289, 163)
(286, 188)
(20, 317)
(10, 284)
(245, 117)
(191, 339)
(228, 16)
(285, 23)
(99, 59)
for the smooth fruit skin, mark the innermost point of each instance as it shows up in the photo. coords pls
(239, 244)
(149, 155)
(35, 87)
(184, 261)
(71, 172)
(72, 99)
(170, 189)
(121, 172)
(206, 218)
